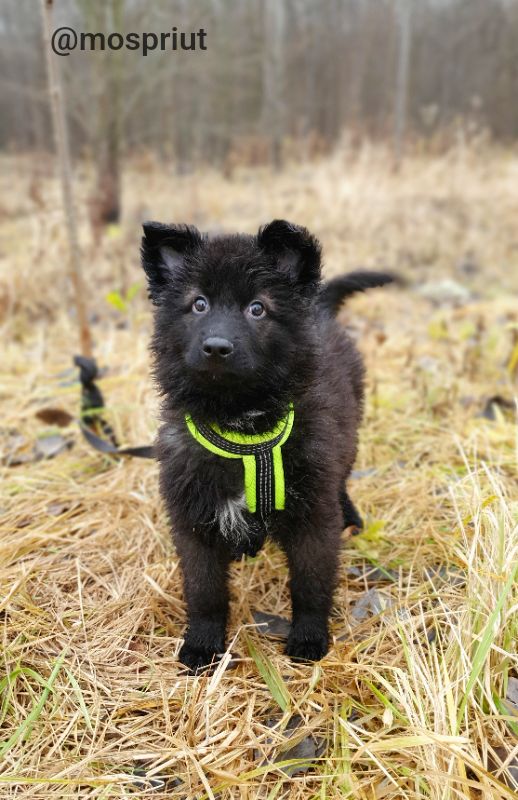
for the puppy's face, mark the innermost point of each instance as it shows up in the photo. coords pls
(233, 312)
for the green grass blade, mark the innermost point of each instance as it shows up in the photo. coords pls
(387, 703)
(271, 676)
(29, 721)
(485, 645)
(80, 699)
(6, 690)
(507, 713)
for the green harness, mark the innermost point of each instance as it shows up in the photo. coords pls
(261, 455)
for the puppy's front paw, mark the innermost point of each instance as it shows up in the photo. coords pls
(196, 657)
(307, 642)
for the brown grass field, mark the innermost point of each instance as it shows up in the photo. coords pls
(418, 697)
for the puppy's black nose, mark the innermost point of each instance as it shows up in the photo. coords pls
(217, 347)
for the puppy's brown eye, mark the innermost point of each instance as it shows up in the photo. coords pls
(200, 305)
(256, 309)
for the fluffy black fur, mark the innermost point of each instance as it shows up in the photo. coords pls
(295, 352)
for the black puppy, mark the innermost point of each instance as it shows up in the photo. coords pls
(263, 395)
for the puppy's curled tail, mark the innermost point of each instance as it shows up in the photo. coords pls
(335, 291)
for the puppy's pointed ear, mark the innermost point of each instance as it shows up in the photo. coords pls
(163, 250)
(295, 251)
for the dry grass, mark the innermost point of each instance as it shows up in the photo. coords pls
(408, 703)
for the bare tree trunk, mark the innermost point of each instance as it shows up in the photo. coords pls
(63, 151)
(404, 21)
(273, 78)
(105, 203)
(112, 153)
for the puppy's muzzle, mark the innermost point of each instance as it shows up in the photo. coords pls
(216, 348)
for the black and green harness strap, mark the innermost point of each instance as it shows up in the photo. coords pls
(261, 455)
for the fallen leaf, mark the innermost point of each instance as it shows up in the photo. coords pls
(272, 624)
(148, 784)
(512, 692)
(356, 474)
(431, 635)
(467, 400)
(56, 509)
(16, 450)
(369, 604)
(55, 416)
(135, 647)
(445, 292)
(448, 574)
(51, 446)
(428, 364)
(468, 265)
(492, 404)
(305, 750)
(372, 574)
(509, 774)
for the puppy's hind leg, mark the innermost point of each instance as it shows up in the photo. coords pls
(351, 516)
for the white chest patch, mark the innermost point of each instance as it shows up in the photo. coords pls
(231, 520)
(230, 514)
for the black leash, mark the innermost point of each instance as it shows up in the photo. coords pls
(92, 422)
